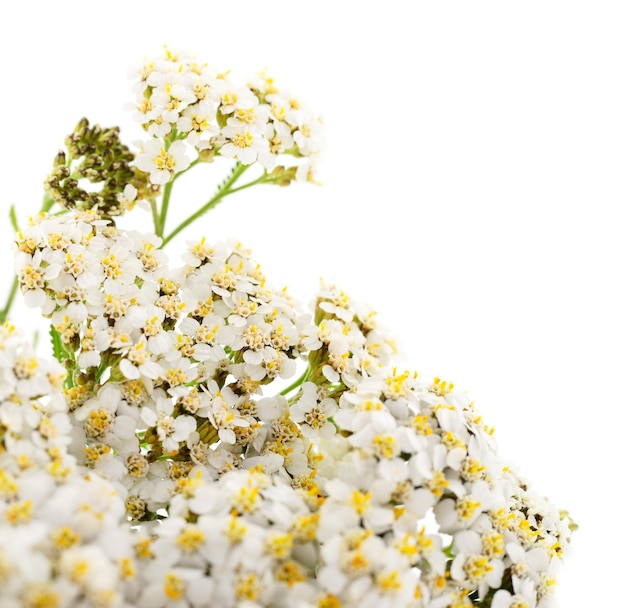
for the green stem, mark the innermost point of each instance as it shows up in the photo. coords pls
(159, 222)
(155, 215)
(266, 178)
(13, 217)
(48, 203)
(167, 192)
(224, 190)
(296, 383)
(7, 307)
(192, 164)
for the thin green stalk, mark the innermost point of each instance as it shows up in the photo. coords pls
(296, 383)
(13, 218)
(159, 221)
(192, 164)
(48, 203)
(155, 214)
(167, 192)
(224, 190)
(7, 307)
(266, 178)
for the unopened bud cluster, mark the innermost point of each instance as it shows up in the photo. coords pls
(97, 156)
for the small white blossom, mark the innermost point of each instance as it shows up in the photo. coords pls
(162, 163)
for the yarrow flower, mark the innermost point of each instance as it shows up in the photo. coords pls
(201, 438)
(186, 105)
(162, 163)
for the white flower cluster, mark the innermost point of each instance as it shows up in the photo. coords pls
(179, 353)
(63, 535)
(187, 106)
(203, 441)
(356, 485)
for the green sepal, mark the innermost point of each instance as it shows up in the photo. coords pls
(221, 118)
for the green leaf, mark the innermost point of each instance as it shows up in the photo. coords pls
(57, 345)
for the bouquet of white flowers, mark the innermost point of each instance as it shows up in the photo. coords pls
(199, 438)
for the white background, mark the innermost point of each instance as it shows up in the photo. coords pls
(473, 193)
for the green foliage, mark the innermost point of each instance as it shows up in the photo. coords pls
(57, 345)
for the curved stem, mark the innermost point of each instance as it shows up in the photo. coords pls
(298, 382)
(192, 164)
(7, 307)
(224, 190)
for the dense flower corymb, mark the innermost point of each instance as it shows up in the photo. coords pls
(201, 438)
(188, 106)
